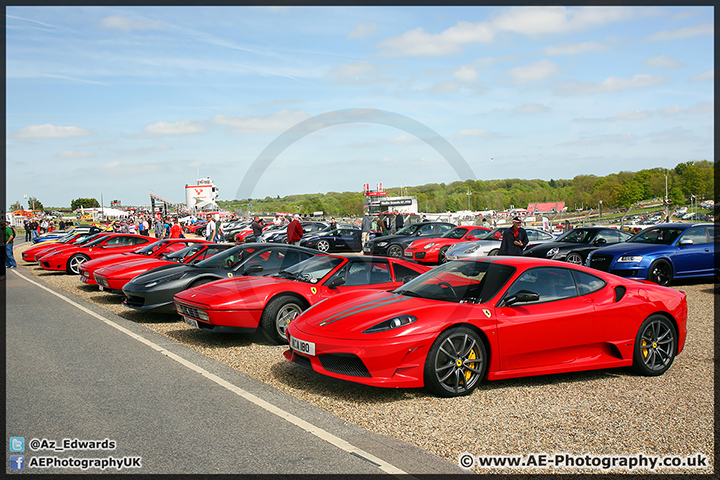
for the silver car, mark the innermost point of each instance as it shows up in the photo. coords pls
(489, 244)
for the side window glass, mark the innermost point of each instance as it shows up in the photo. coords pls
(292, 257)
(532, 235)
(696, 234)
(587, 283)
(401, 271)
(358, 274)
(379, 273)
(427, 230)
(115, 241)
(550, 283)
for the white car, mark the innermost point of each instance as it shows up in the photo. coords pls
(489, 244)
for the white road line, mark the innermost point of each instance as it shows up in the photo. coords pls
(309, 427)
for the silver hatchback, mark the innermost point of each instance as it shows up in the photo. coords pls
(489, 244)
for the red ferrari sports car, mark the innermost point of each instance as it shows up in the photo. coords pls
(495, 317)
(158, 249)
(70, 259)
(271, 302)
(432, 250)
(32, 254)
(114, 277)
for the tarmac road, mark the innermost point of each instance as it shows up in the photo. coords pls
(76, 371)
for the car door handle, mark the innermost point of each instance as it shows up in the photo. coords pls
(588, 300)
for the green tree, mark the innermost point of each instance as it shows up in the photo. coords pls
(84, 203)
(630, 191)
(16, 206)
(35, 204)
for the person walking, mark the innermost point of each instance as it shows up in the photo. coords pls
(219, 232)
(514, 240)
(366, 227)
(28, 230)
(294, 232)
(399, 221)
(8, 237)
(159, 228)
(175, 230)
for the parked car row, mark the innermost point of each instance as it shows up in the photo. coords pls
(389, 321)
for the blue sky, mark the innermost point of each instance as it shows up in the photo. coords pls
(122, 100)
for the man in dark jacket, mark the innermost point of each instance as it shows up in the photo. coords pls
(514, 240)
(257, 226)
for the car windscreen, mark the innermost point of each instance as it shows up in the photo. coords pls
(455, 233)
(227, 259)
(408, 230)
(151, 248)
(577, 235)
(311, 270)
(94, 240)
(186, 252)
(459, 281)
(657, 236)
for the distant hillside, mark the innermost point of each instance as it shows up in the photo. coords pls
(615, 190)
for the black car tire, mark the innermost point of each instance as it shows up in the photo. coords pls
(274, 320)
(655, 346)
(441, 254)
(494, 252)
(574, 258)
(395, 251)
(456, 363)
(660, 272)
(323, 246)
(74, 262)
(201, 281)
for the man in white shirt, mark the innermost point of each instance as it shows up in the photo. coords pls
(210, 229)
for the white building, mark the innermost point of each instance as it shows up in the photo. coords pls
(202, 195)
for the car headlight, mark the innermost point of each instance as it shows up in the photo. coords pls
(472, 249)
(428, 245)
(552, 252)
(160, 280)
(630, 258)
(382, 244)
(395, 322)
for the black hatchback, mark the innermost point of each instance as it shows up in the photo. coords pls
(154, 289)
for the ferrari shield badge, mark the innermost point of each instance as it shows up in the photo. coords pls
(487, 312)
(313, 290)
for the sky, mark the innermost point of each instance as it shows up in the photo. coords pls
(120, 101)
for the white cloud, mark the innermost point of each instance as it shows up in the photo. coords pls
(121, 23)
(355, 73)
(680, 33)
(74, 154)
(709, 75)
(364, 30)
(50, 131)
(575, 48)
(534, 72)
(531, 108)
(182, 127)
(663, 61)
(466, 73)
(420, 43)
(553, 20)
(276, 122)
(610, 84)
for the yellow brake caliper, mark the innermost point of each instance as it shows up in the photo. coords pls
(644, 351)
(471, 356)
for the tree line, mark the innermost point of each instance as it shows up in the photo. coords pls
(617, 190)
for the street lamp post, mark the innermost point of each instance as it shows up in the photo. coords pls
(599, 210)
(667, 206)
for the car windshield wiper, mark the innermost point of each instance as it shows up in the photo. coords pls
(286, 274)
(408, 293)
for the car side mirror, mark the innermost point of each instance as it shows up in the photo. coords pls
(687, 241)
(600, 241)
(254, 269)
(336, 282)
(521, 296)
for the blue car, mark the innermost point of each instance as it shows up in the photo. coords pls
(661, 253)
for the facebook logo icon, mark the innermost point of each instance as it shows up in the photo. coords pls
(17, 444)
(17, 462)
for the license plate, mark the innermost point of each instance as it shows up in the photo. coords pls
(101, 288)
(191, 322)
(301, 346)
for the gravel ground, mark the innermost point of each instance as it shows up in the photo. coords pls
(605, 412)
